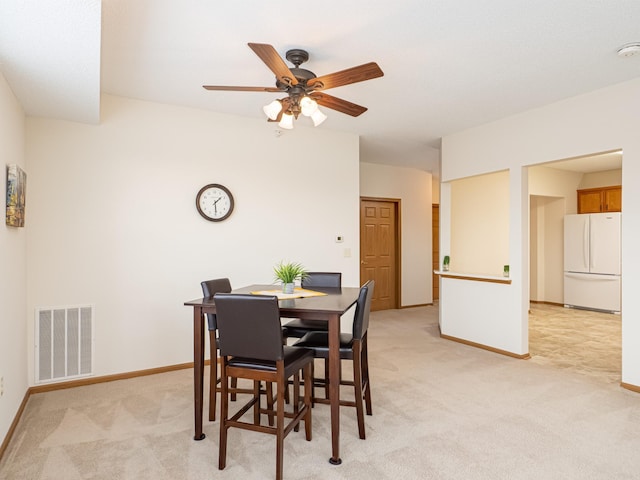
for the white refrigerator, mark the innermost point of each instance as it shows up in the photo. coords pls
(592, 261)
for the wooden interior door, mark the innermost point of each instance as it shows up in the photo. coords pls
(379, 255)
(435, 241)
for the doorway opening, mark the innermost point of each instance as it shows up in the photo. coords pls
(584, 341)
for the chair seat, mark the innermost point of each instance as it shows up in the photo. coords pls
(294, 359)
(319, 342)
(299, 328)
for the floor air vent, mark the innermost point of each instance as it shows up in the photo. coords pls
(64, 348)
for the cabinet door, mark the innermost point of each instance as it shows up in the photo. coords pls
(589, 201)
(612, 199)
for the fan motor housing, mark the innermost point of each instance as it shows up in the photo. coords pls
(297, 56)
(302, 75)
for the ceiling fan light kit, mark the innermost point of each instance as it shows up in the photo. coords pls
(273, 109)
(303, 87)
(308, 106)
(318, 117)
(286, 121)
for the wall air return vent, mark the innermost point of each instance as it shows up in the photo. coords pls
(64, 343)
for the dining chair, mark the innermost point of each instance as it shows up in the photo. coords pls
(209, 289)
(352, 347)
(298, 328)
(251, 347)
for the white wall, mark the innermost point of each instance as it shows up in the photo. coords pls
(480, 224)
(550, 182)
(552, 195)
(546, 249)
(113, 220)
(413, 188)
(13, 262)
(600, 121)
(435, 190)
(606, 178)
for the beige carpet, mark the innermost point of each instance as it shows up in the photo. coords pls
(442, 410)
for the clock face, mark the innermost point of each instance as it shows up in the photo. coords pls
(214, 202)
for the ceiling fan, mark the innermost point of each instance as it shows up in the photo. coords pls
(305, 91)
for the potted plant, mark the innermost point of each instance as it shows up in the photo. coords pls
(445, 263)
(288, 273)
(505, 271)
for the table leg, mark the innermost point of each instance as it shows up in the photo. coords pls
(198, 370)
(334, 387)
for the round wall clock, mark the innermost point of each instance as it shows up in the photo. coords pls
(214, 202)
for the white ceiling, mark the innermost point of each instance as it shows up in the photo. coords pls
(590, 163)
(449, 64)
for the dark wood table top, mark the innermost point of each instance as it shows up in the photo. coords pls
(337, 300)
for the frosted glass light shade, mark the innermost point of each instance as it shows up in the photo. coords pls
(286, 121)
(308, 106)
(273, 109)
(318, 117)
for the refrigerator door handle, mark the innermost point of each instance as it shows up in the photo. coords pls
(585, 245)
(592, 253)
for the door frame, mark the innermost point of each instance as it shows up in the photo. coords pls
(398, 245)
(435, 254)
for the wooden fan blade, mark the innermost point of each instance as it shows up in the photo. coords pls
(275, 62)
(241, 89)
(338, 104)
(346, 77)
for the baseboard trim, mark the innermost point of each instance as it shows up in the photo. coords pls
(547, 303)
(82, 382)
(629, 386)
(14, 424)
(108, 378)
(524, 356)
(417, 305)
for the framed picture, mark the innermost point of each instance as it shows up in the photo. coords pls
(16, 195)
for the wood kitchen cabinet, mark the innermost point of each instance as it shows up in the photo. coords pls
(603, 199)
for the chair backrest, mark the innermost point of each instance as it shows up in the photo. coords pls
(249, 326)
(363, 308)
(322, 279)
(209, 289)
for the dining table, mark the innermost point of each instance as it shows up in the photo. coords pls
(329, 307)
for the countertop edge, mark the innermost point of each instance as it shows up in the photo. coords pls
(474, 277)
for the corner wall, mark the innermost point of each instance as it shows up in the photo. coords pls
(13, 262)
